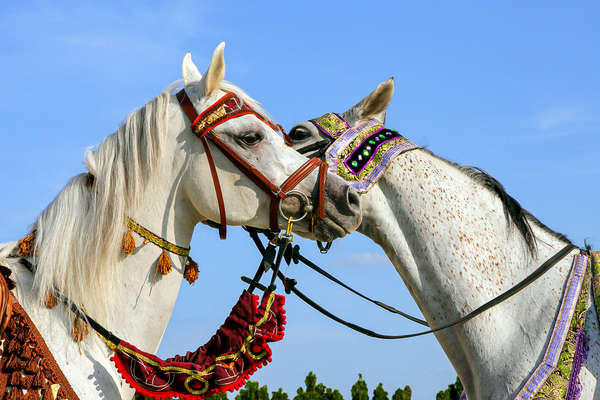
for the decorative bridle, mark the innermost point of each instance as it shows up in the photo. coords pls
(228, 107)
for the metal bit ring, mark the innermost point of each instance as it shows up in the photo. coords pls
(307, 205)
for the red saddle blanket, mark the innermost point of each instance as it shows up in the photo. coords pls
(237, 349)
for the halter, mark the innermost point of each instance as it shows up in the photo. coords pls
(228, 107)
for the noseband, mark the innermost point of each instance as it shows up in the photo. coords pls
(231, 106)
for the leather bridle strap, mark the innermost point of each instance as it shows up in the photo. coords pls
(228, 107)
(218, 192)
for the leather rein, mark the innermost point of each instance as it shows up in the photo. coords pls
(231, 106)
(293, 254)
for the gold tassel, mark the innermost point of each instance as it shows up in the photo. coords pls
(128, 243)
(50, 300)
(163, 265)
(190, 272)
(80, 329)
(25, 246)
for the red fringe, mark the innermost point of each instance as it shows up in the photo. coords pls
(259, 346)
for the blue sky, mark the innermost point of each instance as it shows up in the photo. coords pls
(511, 87)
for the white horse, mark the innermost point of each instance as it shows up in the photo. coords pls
(153, 170)
(458, 239)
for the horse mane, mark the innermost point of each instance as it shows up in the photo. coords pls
(79, 235)
(513, 211)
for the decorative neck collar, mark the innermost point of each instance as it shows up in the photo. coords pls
(157, 240)
(164, 264)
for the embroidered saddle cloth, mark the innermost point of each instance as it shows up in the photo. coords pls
(362, 153)
(237, 349)
(557, 375)
(28, 370)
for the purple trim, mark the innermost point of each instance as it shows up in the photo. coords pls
(463, 396)
(340, 117)
(581, 353)
(559, 334)
(346, 138)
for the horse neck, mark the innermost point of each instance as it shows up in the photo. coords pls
(448, 238)
(147, 298)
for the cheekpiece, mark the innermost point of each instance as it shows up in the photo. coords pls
(331, 124)
(361, 154)
(227, 107)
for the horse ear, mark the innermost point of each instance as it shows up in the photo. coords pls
(372, 106)
(216, 70)
(189, 71)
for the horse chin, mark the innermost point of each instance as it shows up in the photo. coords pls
(329, 230)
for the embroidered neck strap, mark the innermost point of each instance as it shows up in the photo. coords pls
(157, 240)
(163, 264)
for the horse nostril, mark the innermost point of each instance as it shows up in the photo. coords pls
(353, 200)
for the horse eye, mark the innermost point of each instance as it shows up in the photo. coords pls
(251, 138)
(299, 133)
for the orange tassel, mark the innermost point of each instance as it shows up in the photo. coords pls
(80, 329)
(25, 246)
(15, 379)
(163, 265)
(50, 300)
(190, 272)
(38, 380)
(128, 243)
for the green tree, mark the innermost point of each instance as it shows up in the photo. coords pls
(379, 393)
(359, 390)
(316, 391)
(452, 393)
(252, 392)
(403, 394)
(279, 395)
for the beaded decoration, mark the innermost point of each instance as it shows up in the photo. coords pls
(361, 154)
(331, 124)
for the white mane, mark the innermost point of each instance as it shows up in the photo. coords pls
(79, 235)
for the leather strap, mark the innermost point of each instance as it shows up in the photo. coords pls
(218, 192)
(226, 108)
(322, 180)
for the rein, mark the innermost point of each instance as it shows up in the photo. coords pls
(290, 286)
(228, 107)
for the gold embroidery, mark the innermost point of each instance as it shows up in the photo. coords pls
(198, 375)
(211, 118)
(157, 240)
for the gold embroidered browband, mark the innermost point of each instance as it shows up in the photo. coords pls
(157, 240)
(227, 107)
(331, 124)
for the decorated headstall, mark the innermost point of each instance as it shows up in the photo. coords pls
(362, 153)
(231, 106)
(359, 154)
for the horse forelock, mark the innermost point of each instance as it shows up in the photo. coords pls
(79, 234)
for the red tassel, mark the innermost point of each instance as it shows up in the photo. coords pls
(191, 270)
